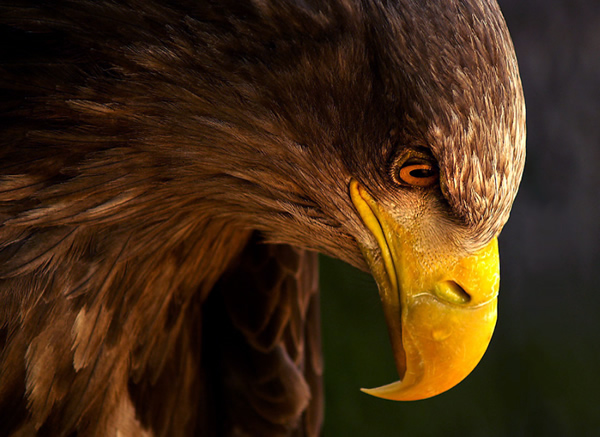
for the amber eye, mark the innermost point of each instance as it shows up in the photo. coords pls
(418, 174)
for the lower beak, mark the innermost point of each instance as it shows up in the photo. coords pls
(440, 307)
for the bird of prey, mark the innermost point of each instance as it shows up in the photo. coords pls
(170, 168)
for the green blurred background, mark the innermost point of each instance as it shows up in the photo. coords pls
(541, 374)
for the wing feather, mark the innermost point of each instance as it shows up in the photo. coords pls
(105, 325)
(267, 343)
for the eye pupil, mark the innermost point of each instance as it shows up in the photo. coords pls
(421, 173)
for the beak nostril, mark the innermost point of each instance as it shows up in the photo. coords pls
(451, 292)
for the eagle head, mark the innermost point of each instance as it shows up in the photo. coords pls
(397, 134)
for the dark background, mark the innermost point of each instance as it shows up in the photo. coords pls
(541, 374)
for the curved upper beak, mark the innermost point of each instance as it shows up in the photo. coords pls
(440, 307)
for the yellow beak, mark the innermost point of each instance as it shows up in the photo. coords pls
(440, 307)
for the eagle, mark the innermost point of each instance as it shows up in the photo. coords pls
(171, 168)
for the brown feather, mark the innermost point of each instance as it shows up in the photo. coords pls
(267, 366)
